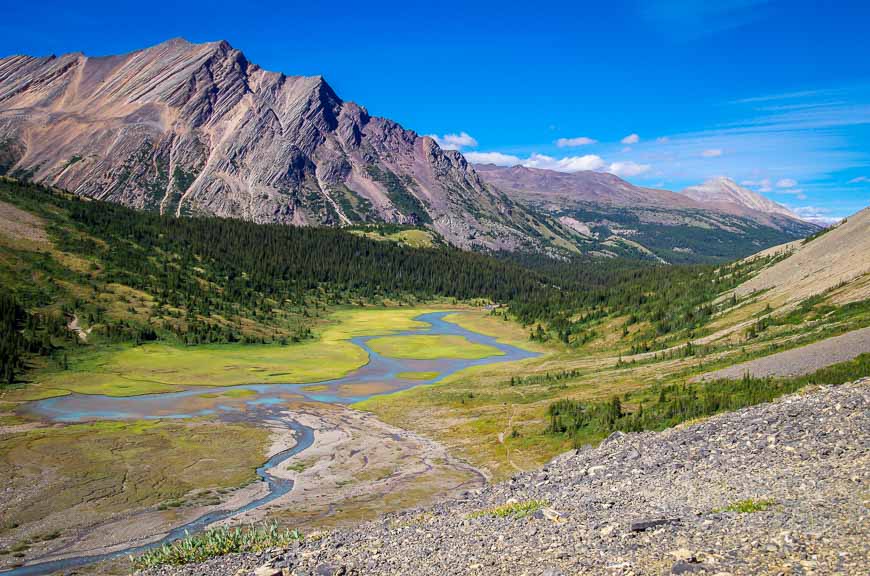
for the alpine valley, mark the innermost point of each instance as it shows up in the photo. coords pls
(248, 329)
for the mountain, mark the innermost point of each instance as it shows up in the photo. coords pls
(723, 191)
(617, 218)
(193, 129)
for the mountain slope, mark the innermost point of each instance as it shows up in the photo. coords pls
(197, 129)
(725, 191)
(835, 257)
(615, 217)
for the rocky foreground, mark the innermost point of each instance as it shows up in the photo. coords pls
(780, 488)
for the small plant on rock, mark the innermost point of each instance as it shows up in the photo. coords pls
(747, 506)
(511, 510)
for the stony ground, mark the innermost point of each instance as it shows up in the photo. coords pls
(649, 503)
(803, 360)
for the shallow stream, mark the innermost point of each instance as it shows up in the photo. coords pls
(381, 375)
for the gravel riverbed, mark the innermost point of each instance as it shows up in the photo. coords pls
(646, 503)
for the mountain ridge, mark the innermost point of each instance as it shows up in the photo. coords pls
(616, 217)
(198, 129)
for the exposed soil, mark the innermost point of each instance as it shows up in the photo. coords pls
(20, 225)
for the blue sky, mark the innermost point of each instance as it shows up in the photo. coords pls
(664, 93)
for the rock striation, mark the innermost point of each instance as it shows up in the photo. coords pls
(192, 129)
(778, 488)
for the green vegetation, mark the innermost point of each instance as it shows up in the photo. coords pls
(182, 179)
(411, 236)
(149, 368)
(398, 193)
(747, 506)
(417, 375)
(431, 347)
(216, 542)
(660, 407)
(511, 510)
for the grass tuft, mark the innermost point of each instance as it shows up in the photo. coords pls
(747, 506)
(216, 542)
(511, 510)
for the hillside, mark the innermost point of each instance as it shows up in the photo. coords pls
(185, 128)
(835, 257)
(615, 218)
(764, 490)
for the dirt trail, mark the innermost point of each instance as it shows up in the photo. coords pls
(803, 360)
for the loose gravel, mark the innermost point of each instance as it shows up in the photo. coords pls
(799, 361)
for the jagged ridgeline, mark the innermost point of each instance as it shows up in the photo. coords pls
(198, 129)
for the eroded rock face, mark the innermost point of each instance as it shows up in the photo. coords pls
(197, 129)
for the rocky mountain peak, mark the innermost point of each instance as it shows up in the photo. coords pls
(188, 128)
(723, 190)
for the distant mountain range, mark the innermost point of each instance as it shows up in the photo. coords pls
(716, 221)
(189, 129)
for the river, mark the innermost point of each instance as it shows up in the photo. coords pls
(261, 400)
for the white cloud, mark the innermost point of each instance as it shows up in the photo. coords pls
(712, 153)
(816, 214)
(574, 142)
(631, 139)
(663, 139)
(859, 180)
(566, 164)
(797, 192)
(786, 183)
(496, 158)
(628, 168)
(454, 141)
(762, 185)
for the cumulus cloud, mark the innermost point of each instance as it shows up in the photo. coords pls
(859, 180)
(816, 214)
(786, 183)
(631, 139)
(628, 168)
(454, 141)
(496, 158)
(574, 142)
(566, 164)
(797, 192)
(712, 153)
(762, 185)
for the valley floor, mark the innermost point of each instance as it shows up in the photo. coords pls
(777, 488)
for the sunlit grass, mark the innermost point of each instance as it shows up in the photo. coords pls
(748, 506)
(511, 510)
(216, 542)
(431, 347)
